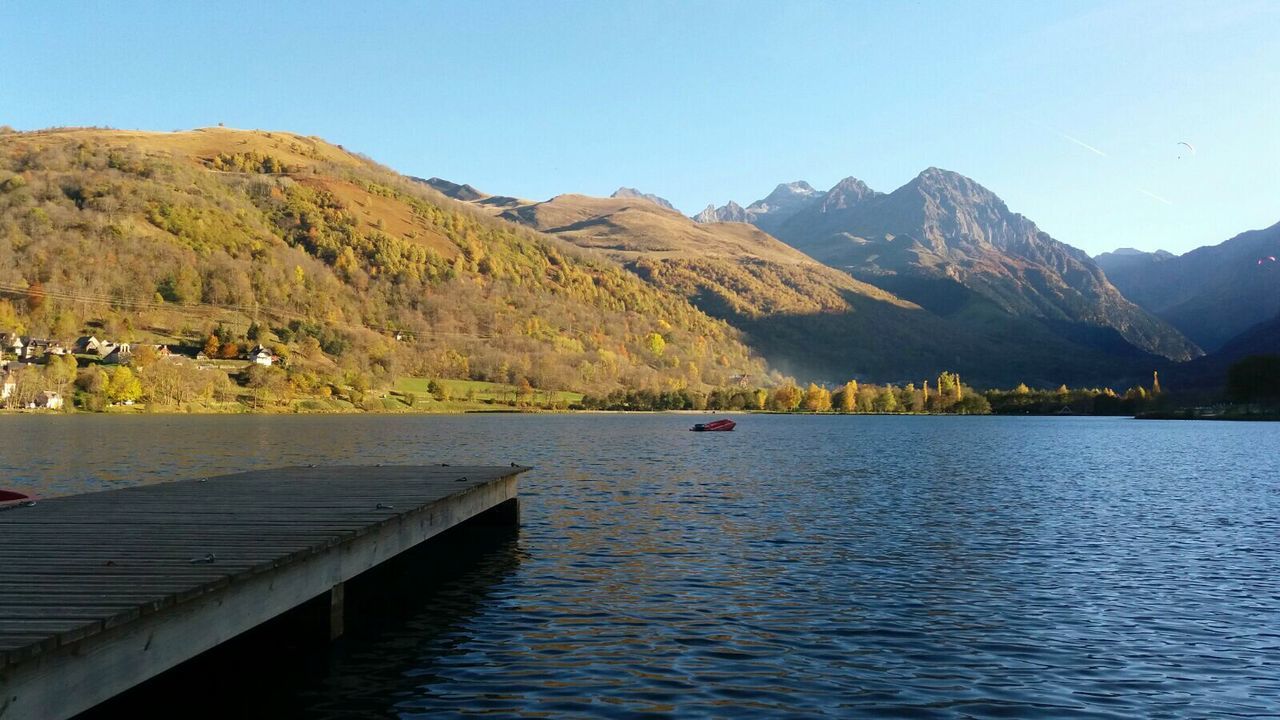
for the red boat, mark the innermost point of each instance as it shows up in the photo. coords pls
(715, 426)
(10, 498)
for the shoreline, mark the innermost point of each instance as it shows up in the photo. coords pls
(143, 410)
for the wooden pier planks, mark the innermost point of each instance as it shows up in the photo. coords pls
(101, 591)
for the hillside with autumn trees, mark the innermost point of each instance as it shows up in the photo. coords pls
(219, 240)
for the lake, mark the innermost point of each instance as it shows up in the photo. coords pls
(799, 566)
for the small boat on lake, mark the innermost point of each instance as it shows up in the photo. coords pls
(12, 498)
(714, 426)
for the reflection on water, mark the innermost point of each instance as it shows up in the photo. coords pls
(837, 566)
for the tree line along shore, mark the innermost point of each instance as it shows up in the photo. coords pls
(238, 374)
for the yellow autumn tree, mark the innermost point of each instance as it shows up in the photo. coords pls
(817, 399)
(849, 397)
(786, 398)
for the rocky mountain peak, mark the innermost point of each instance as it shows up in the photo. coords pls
(847, 193)
(786, 195)
(729, 212)
(629, 193)
(708, 215)
(937, 182)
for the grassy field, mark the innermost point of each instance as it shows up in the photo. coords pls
(469, 394)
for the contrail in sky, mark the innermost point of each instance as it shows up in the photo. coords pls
(1083, 144)
(1150, 194)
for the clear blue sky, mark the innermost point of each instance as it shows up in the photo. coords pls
(710, 101)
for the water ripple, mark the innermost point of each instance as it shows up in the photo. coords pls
(799, 567)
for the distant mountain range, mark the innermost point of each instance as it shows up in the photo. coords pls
(767, 214)
(943, 259)
(805, 317)
(1123, 259)
(1211, 294)
(950, 245)
(936, 274)
(575, 291)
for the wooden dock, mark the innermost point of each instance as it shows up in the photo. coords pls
(102, 591)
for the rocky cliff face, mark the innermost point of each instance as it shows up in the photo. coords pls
(729, 212)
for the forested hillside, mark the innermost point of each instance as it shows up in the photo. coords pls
(325, 257)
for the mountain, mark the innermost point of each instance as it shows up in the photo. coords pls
(1260, 339)
(778, 206)
(769, 213)
(1124, 260)
(952, 246)
(815, 321)
(828, 214)
(1212, 293)
(1207, 375)
(729, 212)
(803, 316)
(167, 237)
(466, 193)
(627, 193)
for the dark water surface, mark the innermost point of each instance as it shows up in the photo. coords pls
(800, 566)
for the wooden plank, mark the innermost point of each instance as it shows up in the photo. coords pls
(98, 591)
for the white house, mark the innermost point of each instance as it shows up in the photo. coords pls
(8, 386)
(49, 399)
(36, 348)
(118, 355)
(262, 356)
(87, 344)
(11, 343)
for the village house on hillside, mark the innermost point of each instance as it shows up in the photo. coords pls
(29, 349)
(87, 345)
(90, 345)
(11, 344)
(118, 355)
(36, 349)
(261, 356)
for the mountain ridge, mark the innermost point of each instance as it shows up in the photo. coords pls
(803, 316)
(943, 233)
(1211, 293)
